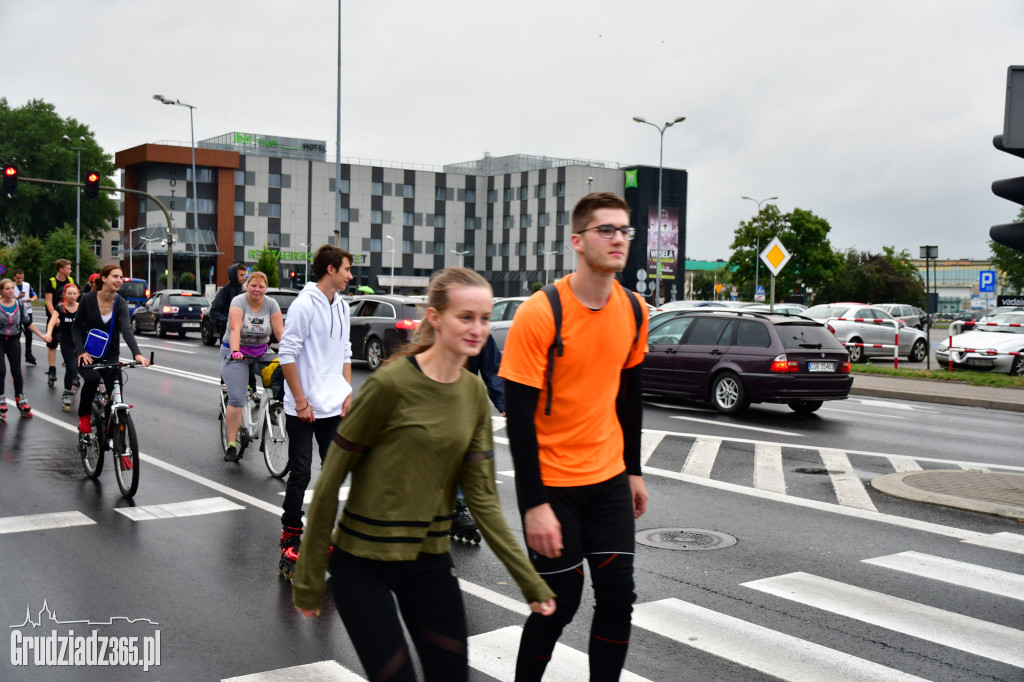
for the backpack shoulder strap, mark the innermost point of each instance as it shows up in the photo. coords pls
(53, 282)
(638, 315)
(556, 344)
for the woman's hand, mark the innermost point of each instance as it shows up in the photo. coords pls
(143, 359)
(47, 338)
(84, 359)
(237, 355)
(308, 613)
(544, 608)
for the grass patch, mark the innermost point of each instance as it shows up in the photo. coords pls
(960, 376)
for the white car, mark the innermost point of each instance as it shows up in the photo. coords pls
(986, 347)
(913, 343)
(501, 317)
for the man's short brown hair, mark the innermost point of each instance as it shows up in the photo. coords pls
(585, 207)
(62, 263)
(329, 255)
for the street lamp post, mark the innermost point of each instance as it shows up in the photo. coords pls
(757, 247)
(546, 254)
(661, 153)
(392, 263)
(305, 257)
(78, 208)
(131, 259)
(460, 254)
(149, 257)
(195, 186)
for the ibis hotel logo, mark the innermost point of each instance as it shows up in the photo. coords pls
(44, 640)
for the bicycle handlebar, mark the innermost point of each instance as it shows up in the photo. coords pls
(113, 365)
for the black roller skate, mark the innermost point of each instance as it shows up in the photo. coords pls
(65, 400)
(51, 376)
(463, 526)
(75, 383)
(291, 539)
(3, 407)
(23, 406)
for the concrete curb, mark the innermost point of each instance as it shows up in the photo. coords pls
(893, 484)
(965, 401)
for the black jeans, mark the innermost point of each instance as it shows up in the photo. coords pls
(28, 340)
(90, 383)
(300, 459)
(67, 351)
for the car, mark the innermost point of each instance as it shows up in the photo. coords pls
(999, 310)
(170, 310)
(779, 308)
(383, 324)
(212, 331)
(913, 343)
(501, 317)
(912, 316)
(673, 306)
(987, 348)
(134, 291)
(736, 357)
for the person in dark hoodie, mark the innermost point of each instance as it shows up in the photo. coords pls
(222, 302)
(316, 360)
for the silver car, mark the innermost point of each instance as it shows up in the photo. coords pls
(988, 348)
(501, 317)
(911, 315)
(913, 343)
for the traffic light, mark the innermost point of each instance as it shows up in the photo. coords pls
(92, 185)
(10, 180)
(1011, 142)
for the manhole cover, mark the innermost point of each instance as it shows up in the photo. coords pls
(819, 471)
(684, 538)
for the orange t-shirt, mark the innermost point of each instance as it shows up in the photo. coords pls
(580, 442)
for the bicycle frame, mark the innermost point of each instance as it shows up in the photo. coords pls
(257, 424)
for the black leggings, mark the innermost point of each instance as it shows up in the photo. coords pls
(90, 382)
(430, 600)
(67, 351)
(11, 347)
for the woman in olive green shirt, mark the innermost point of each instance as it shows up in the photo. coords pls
(419, 427)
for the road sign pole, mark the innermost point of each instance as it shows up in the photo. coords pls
(771, 305)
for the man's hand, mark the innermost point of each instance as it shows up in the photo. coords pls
(639, 490)
(345, 405)
(543, 531)
(309, 613)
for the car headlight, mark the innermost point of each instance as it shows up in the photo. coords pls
(944, 345)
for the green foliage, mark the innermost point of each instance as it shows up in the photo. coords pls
(28, 255)
(267, 264)
(1010, 264)
(704, 284)
(187, 280)
(61, 244)
(32, 139)
(536, 286)
(874, 278)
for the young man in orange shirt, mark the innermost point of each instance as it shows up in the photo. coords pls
(578, 476)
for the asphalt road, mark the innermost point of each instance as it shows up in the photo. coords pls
(818, 584)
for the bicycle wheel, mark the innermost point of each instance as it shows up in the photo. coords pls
(275, 441)
(126, 454)
(90, 446)
(223, 420)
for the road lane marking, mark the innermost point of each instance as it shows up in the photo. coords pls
(210, 505)
(901, 463)
(959, 573)
(889, 405)
(728, 425)
(494, 653)
(850, 491)
(873, 415)
(30, 522)
(649, 442)
(322, 671)
(979, 637)
(307, 497)
(701, 459)
(768, 473)
(756, 647)
(1009, 542)
(185, 374)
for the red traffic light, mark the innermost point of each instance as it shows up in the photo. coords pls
(92, 185)
(10, 180)
(92, 177)
(10, 170)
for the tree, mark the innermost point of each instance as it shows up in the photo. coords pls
(888, 277)
(704, 284)
(61, 244)
(187, 280)
(1010, 264)
(32, 139)
(267, 264)
(28, 255)
(805, 235)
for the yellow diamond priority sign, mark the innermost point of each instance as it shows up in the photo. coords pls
(775, 256)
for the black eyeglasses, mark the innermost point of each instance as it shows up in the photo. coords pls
(608, 231)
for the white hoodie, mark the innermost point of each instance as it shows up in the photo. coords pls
(316, 340)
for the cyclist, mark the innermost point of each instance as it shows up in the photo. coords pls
(252, 316)
(418, 427)
(13, 319)
(62, 320)
(101, 310)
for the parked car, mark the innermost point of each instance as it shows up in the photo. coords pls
(999, 310)
(913, 343)
(985, 348)
(912, 316)
(735, 357)
(382, 324)
(170, 310)
(674, 306)
(779, 308)
(501, 317)
(134, 291)
(212, 331)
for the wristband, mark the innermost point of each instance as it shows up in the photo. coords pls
(300, 409)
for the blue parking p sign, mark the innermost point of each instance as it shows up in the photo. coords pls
(987, 281)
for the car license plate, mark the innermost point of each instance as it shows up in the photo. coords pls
(821, 367)
(190, 325)
(979, 362)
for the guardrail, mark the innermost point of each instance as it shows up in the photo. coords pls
(956, 325)
(896, 338)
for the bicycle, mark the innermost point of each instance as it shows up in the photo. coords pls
(261, 415)
(113, 429)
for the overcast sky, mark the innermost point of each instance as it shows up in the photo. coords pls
(877, 115)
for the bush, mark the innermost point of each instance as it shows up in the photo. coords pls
(187, 280)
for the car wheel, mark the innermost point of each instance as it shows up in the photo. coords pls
(918, 351)
(158, 328)
(1017, 368)
(182, 333)
(804, 406)
(856, 352)
(135, 327)
(727, 393)
(374, 354)
(206, 333)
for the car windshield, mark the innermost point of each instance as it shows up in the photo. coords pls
(135, 288)
(1005, 318)
(186, 299)
(807, 336)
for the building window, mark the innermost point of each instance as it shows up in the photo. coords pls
(541, 191)
(524, 192)
(376, 217)
(409, 191)
(490, 250)
(371, 244)
(508, 222)
(204, 174)
(239, 177)
(343, 243)
(561, 218)
(438, 248)
(408, 219)
(273, 180)
(97, 247)
(524, 220)
(470, 196)
(345, 184)
(344, 215)
(408, 246)
(439, 194)
(509, 194)
(559, 189)
(438, 220)
(504, 249)
(539, 247)
(274, 239)
(270, 210)
(543, 219)
(377, 190)
(557, 246)
(472, 223)
(490, 223)
(239, 208)
(115, 249)
(239, 238)
(492, 196)
(206, 206)
(521, 248)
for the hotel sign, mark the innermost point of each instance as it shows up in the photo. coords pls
(269, 145)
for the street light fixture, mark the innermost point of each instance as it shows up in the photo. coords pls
(149, 256)
(195, 186)
(757, 248)
(392, 263)
(131, 243)
(460, 254)
(661, 155)
(546, 254)
(78, 207)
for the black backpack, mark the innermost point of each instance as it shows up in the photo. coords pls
(556, 345)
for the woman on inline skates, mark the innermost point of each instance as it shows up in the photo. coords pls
(418, 427)
(13, 319)
(62, 320)
(102, 310)
(252, 317)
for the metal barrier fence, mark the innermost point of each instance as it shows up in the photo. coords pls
(896, 337)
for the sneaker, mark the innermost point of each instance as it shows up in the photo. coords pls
(231, 453)
(84, 424)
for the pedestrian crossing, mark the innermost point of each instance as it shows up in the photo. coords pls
(680, 626)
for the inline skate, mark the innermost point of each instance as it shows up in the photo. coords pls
(51, 376)
(65, 400)
(291, 539)
(463, 526)
(23, 406)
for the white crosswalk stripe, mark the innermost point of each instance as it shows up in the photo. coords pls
(30, 522)
(649, 442)
(210, 505)
(960, 573)
(850, 490)
(702, 457)
(754, 646)
(324, 671)
(991, 640)
(768, 474)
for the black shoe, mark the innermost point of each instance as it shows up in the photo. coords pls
(231, 454)
(30, 360)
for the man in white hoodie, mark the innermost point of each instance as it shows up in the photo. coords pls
(316, 360)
